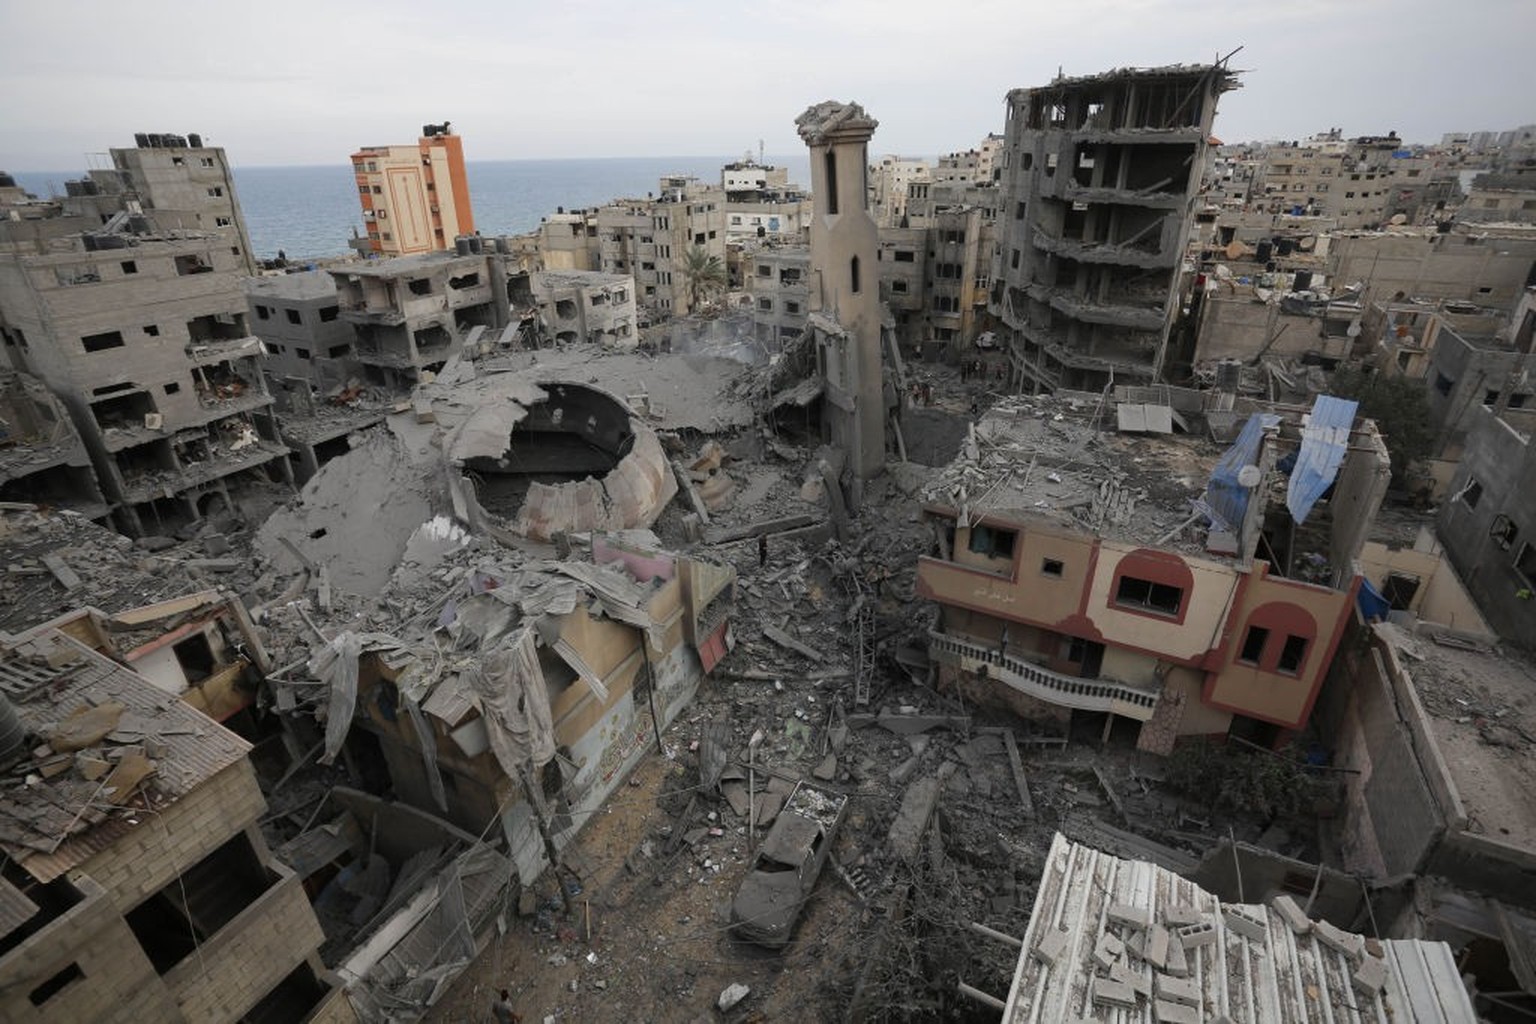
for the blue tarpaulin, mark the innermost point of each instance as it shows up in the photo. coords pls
(1372, 604)
(1227, 498)
(1324, 440)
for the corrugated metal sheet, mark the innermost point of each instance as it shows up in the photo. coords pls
(1324, 443)
(1280, 978)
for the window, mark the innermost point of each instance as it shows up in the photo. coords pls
(1525, 564)
(899, 287)
(853, 275)
(1517, 400)
(129, 266)
(791, 307)
(56, 984)
(1253, 645)
(420, 286)
(340, 350)
(1471, 494)
(102, 342)
(216, 192)
(992, 541)
(764, 270)
(1052, 567)
(1504, 531)
(222, 222)
(1018, 211)
(328, 313)
(302, 353)
(1148, 596)
(206, 161)
(377, 190)
(152, 330)
(1292, 655)
(829, 163)
(1443, 384)
(1014, 260)
(1490, 397)
(293, 316)
(172, 388)
(765, 305)
(905, 256)
(263, 313)
(177, 161)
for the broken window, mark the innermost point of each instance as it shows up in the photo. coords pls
(992, 541)
(195, 656)
(1472, 493)
(151, 330)
(175, 921)
(328, 313)
(102, 342)
(1253, 645)
(464, 281)
(1525, 564)
(263, 313)
(293, 316)
(1292, 655)
(129, 267)
(1504, 531)
(340, 350)
(192, 265)
(565, 308)
(1146, 595)
(1052, 567)
(420, 286)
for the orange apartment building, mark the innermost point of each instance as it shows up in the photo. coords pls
(1123, 582)
(414, 198)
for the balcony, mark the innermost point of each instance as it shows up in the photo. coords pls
(1041, 683)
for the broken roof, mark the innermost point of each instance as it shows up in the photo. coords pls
(310, 284)
(1134, 940)
(83, 794)
(1227, 79)
(1031, 457)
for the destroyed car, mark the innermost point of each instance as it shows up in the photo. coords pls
(784, 871)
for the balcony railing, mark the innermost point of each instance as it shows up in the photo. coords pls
(1041, 683)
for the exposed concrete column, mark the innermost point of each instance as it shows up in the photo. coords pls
(844, 244)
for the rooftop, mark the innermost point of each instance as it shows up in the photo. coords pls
(116, 750)
(311, 284)
(1123, 940)
(400, 266)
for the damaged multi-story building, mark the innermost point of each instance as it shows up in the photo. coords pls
(297, 316)
(42, 458)
(1067, 589)
(137, 884)
(1100, 180)
(142, 333)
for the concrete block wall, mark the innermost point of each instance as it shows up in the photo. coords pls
(165, 844)
(245, 959)
(116, 983)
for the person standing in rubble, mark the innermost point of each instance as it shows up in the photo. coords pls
(502, 1012)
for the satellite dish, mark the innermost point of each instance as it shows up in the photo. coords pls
(1249, 476)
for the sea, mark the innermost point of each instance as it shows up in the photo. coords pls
(311, 212)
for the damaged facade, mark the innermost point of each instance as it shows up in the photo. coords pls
(142, 334)
(41, 455)
(1099, 184)
(137, 882)
(1066, 593)
(558, 677)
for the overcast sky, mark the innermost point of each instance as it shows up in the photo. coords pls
(280, 82)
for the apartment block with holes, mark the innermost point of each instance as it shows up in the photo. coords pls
(1120, 583)
(1100, 180)
(135, 883)
(142, 333)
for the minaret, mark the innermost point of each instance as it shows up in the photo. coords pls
(845, 285)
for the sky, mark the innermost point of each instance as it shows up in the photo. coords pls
(303, 83)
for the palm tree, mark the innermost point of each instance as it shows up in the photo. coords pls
(704, 273)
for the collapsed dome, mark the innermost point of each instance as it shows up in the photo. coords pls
(560, 457)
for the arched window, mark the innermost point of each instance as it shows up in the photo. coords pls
(830, 162)
(1278, 637)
